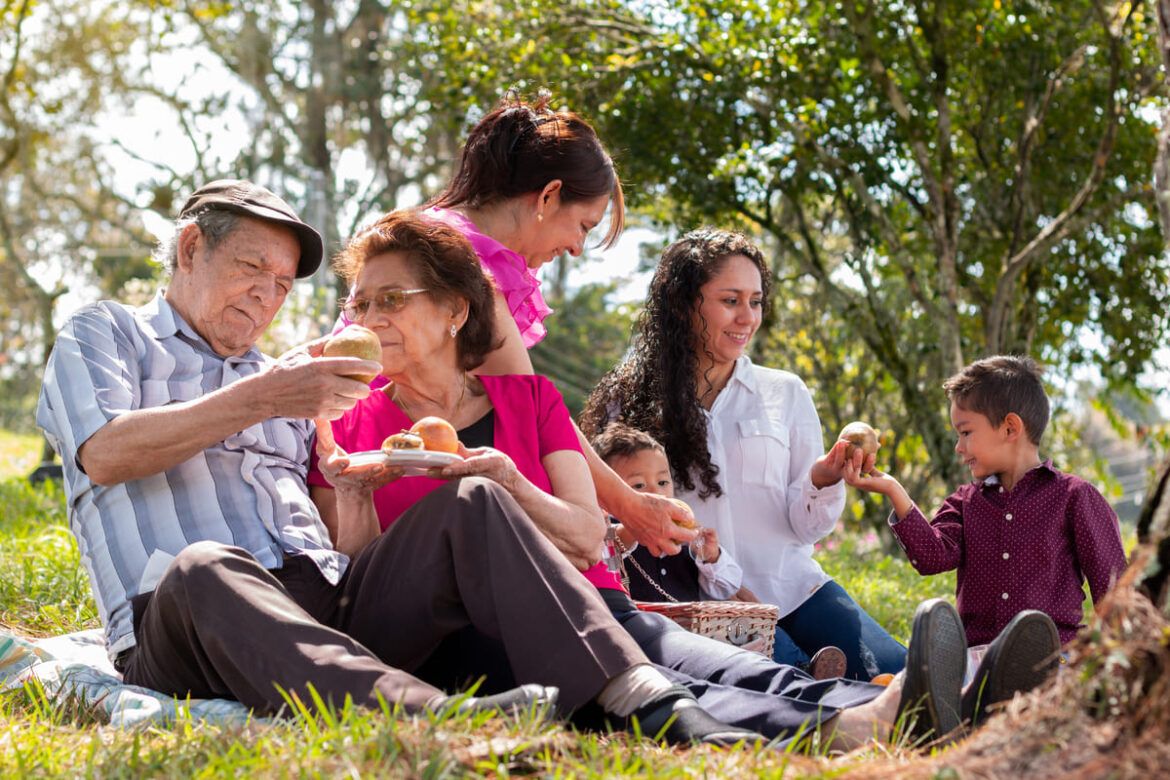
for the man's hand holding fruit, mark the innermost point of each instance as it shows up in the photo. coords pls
(312, 381)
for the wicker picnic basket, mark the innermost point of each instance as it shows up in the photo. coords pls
(748, 625)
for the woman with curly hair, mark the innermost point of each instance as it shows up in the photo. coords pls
(744, 442)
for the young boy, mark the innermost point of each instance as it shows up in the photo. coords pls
(707, 572)
(1023, 535)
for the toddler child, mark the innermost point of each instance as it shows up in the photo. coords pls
(707, 572)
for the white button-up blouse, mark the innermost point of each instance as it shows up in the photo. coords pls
(764, 435)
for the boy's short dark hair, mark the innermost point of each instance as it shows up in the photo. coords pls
(622, 441)
(999, 385)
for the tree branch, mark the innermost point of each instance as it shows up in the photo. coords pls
(1013, 266)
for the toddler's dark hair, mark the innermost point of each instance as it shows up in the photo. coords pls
(621, 441)
(996, 386)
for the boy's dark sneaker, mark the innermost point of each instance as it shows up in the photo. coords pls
(1023, 655)
(827, 663)
(935, 664)
(541, 699)
(676, 718)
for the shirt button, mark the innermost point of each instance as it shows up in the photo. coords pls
(664, 572)
(1008, 516)
(1001, 488)
(1004, 597)
(1006, 556)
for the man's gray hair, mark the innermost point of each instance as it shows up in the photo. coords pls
(215, 225)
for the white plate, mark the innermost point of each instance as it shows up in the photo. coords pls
(415, 462)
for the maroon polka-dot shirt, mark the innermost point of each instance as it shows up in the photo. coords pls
(1028, 548)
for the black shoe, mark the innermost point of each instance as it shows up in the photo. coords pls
(827, 663)
(676, 718)
(935, 664)
(1023, 655)
(539, 699)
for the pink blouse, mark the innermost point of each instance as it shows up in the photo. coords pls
(513, 278)
(531, 421)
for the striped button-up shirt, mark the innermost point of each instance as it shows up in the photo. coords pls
(248, 490)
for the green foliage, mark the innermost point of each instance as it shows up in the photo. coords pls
(586, 337)
(62, 227)
(937, 181)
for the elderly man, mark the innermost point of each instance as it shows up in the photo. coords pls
(185, 455)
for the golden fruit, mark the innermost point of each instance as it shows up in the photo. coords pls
(689, 520)
(356, 341)
(437, 434)
(860, 434)
(402, 441)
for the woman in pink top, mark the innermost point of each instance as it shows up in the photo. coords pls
(415, 282)
(530, 185)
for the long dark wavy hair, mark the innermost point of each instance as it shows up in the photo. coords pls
(655, 387)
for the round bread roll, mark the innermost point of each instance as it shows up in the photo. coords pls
(402, 441)
(689, 520)
(860, 434)
(356, 341)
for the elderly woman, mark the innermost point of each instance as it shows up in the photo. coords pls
(744, 442)
(417, 284)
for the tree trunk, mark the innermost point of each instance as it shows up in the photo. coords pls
(1154, 522)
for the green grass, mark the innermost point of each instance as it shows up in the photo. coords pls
(19, 453)
(44, 590)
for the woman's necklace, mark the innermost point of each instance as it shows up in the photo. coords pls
(407, 410)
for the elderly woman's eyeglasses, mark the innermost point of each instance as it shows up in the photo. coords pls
(389, 301)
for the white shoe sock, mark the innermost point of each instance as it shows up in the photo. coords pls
(631, 689)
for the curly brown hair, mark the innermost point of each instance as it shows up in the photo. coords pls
(520, 147)
(447, 267)
(655, 387)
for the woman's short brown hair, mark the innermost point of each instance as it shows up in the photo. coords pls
(447, 268)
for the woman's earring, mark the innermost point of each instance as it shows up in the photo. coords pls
(454, 331)
(540, 217)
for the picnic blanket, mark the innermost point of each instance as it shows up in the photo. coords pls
(77, 664)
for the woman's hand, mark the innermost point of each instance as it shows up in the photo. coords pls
(349, 481)
(486, 462)
(829, 469)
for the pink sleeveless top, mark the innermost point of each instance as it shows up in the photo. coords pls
(513, 278)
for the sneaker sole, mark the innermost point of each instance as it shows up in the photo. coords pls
(935, 665)
(1033, 646)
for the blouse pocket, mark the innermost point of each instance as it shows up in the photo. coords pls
(765, 452)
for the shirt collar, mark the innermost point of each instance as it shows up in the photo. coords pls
(159, 320)
(743, 374)
(994, 480)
